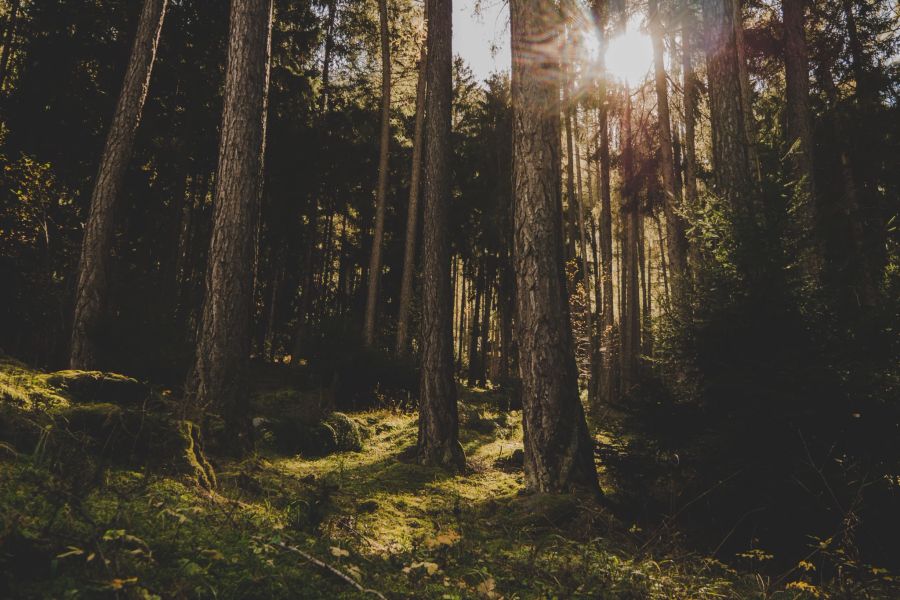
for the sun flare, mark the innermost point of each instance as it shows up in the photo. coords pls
(629, 55)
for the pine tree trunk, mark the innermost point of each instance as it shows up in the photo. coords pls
(486, 321)
(676, 242)
(461, 329)
(558, 449)
(571, 200)
(9, 35)
(744, 79)
(800, 139)
(586, 274)
(628, 210)
(223, 345)
(91, 289)
(690, 112)
(326, 58)
(438, 441)
(730, 152)
(381, 194)
(475, 324)
(412, 215)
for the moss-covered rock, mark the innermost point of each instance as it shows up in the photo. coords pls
(347, 433)
(97, 386)
(289, 435)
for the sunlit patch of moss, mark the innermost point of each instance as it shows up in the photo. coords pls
(28, 389)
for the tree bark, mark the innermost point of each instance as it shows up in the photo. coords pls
(412, 215)
(475, 324)
(223, 345)
(91, 289)
(676, 242)
(558, 449)
(9, 35)
(438, 441)
(572, 200)
(800, 139)
(381, 194)
(628, 212)
(690, 119)
(730, 152)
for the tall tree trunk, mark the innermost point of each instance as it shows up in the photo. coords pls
(461, 329)
(609, 381)
(486, 321)
(91, 289)
(9, 35)
(412, 215)
(800, 139)
(746, 92)
(438, 441)
(474, 336)
(690, 119)
(571, 199)
(325, 98)
(864, 285)
(558, 449)
(224, 342)
(586, 274)
(629, 211)
(381, 194)
(306, 290)
(676, 242)
(730, 151)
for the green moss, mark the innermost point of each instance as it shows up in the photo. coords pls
(404, 529)
(97, 386)
(347, 434)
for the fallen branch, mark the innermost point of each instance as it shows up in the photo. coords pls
(333, 570)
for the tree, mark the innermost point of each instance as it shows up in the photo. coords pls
(381, 193)
(91, 288)
(676, 242)
(558, 449)
(412, 215)
(223, 344)
(608, 380)
(438, 420)
(730, 149)
(9, 33)
(799, 136)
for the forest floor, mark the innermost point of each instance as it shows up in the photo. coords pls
(355, 524)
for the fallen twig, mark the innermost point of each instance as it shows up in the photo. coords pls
(333, 570)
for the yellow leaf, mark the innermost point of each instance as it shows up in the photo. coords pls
(118, 584)
(448, 538)
(339, 552)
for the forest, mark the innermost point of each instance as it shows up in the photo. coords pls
(351, 299)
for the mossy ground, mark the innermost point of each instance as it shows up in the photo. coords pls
(402, 529)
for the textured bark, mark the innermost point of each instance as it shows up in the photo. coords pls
(690, 119)
(461, 328)
(481, 378)
(571, 199)
(223, 345)
(412, 215)
(865, 288)
(744, 79)
(381, 193)
(438, 441)
(628, 213)
(474, 326)
(90, 291)
(9, 34)
(676, 242)
(326, 58)
(800, 139)
(730, 152)
(586, 274)
(558, 449)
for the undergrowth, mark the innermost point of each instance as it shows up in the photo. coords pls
(385, 524)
